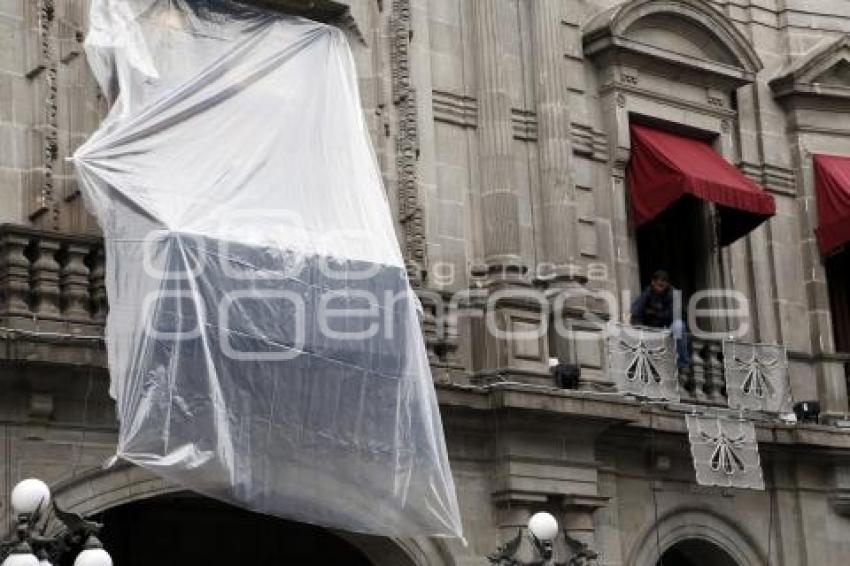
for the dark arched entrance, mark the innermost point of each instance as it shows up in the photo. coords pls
(181, 529)
(695, 552)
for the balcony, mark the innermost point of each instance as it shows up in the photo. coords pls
(53, 302)
(53, 308)
(52, 297)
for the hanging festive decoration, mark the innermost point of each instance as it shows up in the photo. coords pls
(725, 452)
(757, 377)
(642, 362)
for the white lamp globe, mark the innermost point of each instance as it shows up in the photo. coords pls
(21, 560)
(93, 554)
(93, 557)
(21, 556)
(30, 496)
(543, 526)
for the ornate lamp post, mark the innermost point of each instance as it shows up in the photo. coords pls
(29, 547)
(542, 531)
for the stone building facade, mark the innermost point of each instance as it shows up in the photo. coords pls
(502, 128)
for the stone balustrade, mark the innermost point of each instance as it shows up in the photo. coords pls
(53, 301)
(704, 382)
(52, 290)
(51, 282)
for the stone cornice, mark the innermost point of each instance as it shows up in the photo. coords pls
(801, 78)
(674, 101)
(608, 31)
(617, 409)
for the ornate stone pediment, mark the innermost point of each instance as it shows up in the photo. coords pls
(824, 71)
(686, 34)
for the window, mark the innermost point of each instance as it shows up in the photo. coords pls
(679, 241)
(838, 281)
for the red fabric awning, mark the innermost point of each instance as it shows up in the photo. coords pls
(664, 167)
(832, 185)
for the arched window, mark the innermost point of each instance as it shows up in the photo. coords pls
(695, 552)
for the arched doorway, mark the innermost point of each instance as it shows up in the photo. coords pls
(104, 493)
(698, 537)
(182, 528)
(695, 552)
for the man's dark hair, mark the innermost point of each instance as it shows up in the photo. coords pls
(661, 275)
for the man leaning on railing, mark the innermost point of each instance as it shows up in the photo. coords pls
(656, 308)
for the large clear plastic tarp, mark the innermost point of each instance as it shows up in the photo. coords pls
(264, 343)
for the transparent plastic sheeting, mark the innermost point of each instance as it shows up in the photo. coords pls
(642, 362)
(264, 343)
(757, 377)
(725, 452)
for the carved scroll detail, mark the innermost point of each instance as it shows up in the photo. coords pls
(411, 212)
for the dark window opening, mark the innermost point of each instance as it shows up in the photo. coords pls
(318, 10)
(678, 241)
(838, 281)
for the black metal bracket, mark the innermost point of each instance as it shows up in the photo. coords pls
(77, 532)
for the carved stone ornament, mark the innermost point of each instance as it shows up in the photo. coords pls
(411, 213)
(621, 100)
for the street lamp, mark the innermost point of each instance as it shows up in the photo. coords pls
(29, 547)
(542, 531)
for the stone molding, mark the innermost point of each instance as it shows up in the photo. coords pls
(700, 523)
(776, 179)
(457, 109)
(524, 124)
(608, 32)
(462, 110)
(42, 65)
(808, 75)
(625, 89)
(411, 211)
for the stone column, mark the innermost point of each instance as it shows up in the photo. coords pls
(557, 188)
(14, 275)
(74, 283)
(499, 199)
(45, 279)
